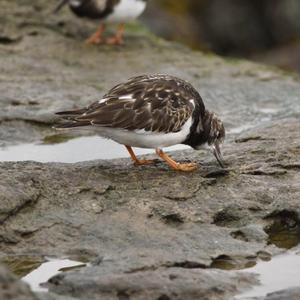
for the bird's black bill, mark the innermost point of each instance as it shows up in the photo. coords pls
(218, 154)
(60, 5)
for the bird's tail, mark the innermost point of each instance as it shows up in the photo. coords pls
(69, 119)
(60, 5)
(71, 113)
(71, 124)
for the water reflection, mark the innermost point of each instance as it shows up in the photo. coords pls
(72, 151)
(47, 270)
(23, 264)
(282, 272)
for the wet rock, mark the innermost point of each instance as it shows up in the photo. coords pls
(21, 190)
(86, 203)
(153, 283)
(52, 296)
(289, 294)
(139, 229)
(231, 215)
(13, 289)
(250, 233)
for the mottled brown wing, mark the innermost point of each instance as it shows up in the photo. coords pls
(157, 104)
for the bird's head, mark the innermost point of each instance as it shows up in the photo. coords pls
(216, 137)
(214, 134)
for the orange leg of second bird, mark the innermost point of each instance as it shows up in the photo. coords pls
(117, 39)
(175, 165)
(138, 162)
(96, 38)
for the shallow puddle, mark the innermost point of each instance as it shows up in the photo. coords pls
(36, 270)
(225, 262)
(285, 231)
(72, 151)
(47, 270)
(282, 272)
(285, 238)
(23, 264)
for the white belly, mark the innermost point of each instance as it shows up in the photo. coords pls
(127, 10)
(143, 139)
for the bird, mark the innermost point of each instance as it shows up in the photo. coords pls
(108, 11)
(151, 111)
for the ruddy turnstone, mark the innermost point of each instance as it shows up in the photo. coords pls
(152, 112)
(109, 11)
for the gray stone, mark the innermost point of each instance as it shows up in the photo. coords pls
(139, 229)
(155, 283)
(51, 296)
(13, 289)
(250, 233)
(289, 294)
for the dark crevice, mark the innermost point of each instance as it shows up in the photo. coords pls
(182, 264)
(230, 216)
(164, 297)
(217, 173)
(187, 265)
(265, 172)
(173, 218)
(288, 166)
(239, 235)
(123, 295)
(30, 203)
(253, 138)
(6, 40)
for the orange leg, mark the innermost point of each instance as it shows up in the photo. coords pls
(175, 165)
(96, 38)
(118, 38)
(138, 162)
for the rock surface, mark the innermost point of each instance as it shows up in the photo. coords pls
(13, 289)
(149, 221)
(151, 233)
(161, 283)
(290, 294)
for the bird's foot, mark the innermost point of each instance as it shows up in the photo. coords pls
(144, 162)
(95, 39)
(185, 167)
(115, 40)
(175, 165)
(139, 162)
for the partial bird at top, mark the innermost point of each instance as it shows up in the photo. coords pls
(108, 11)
